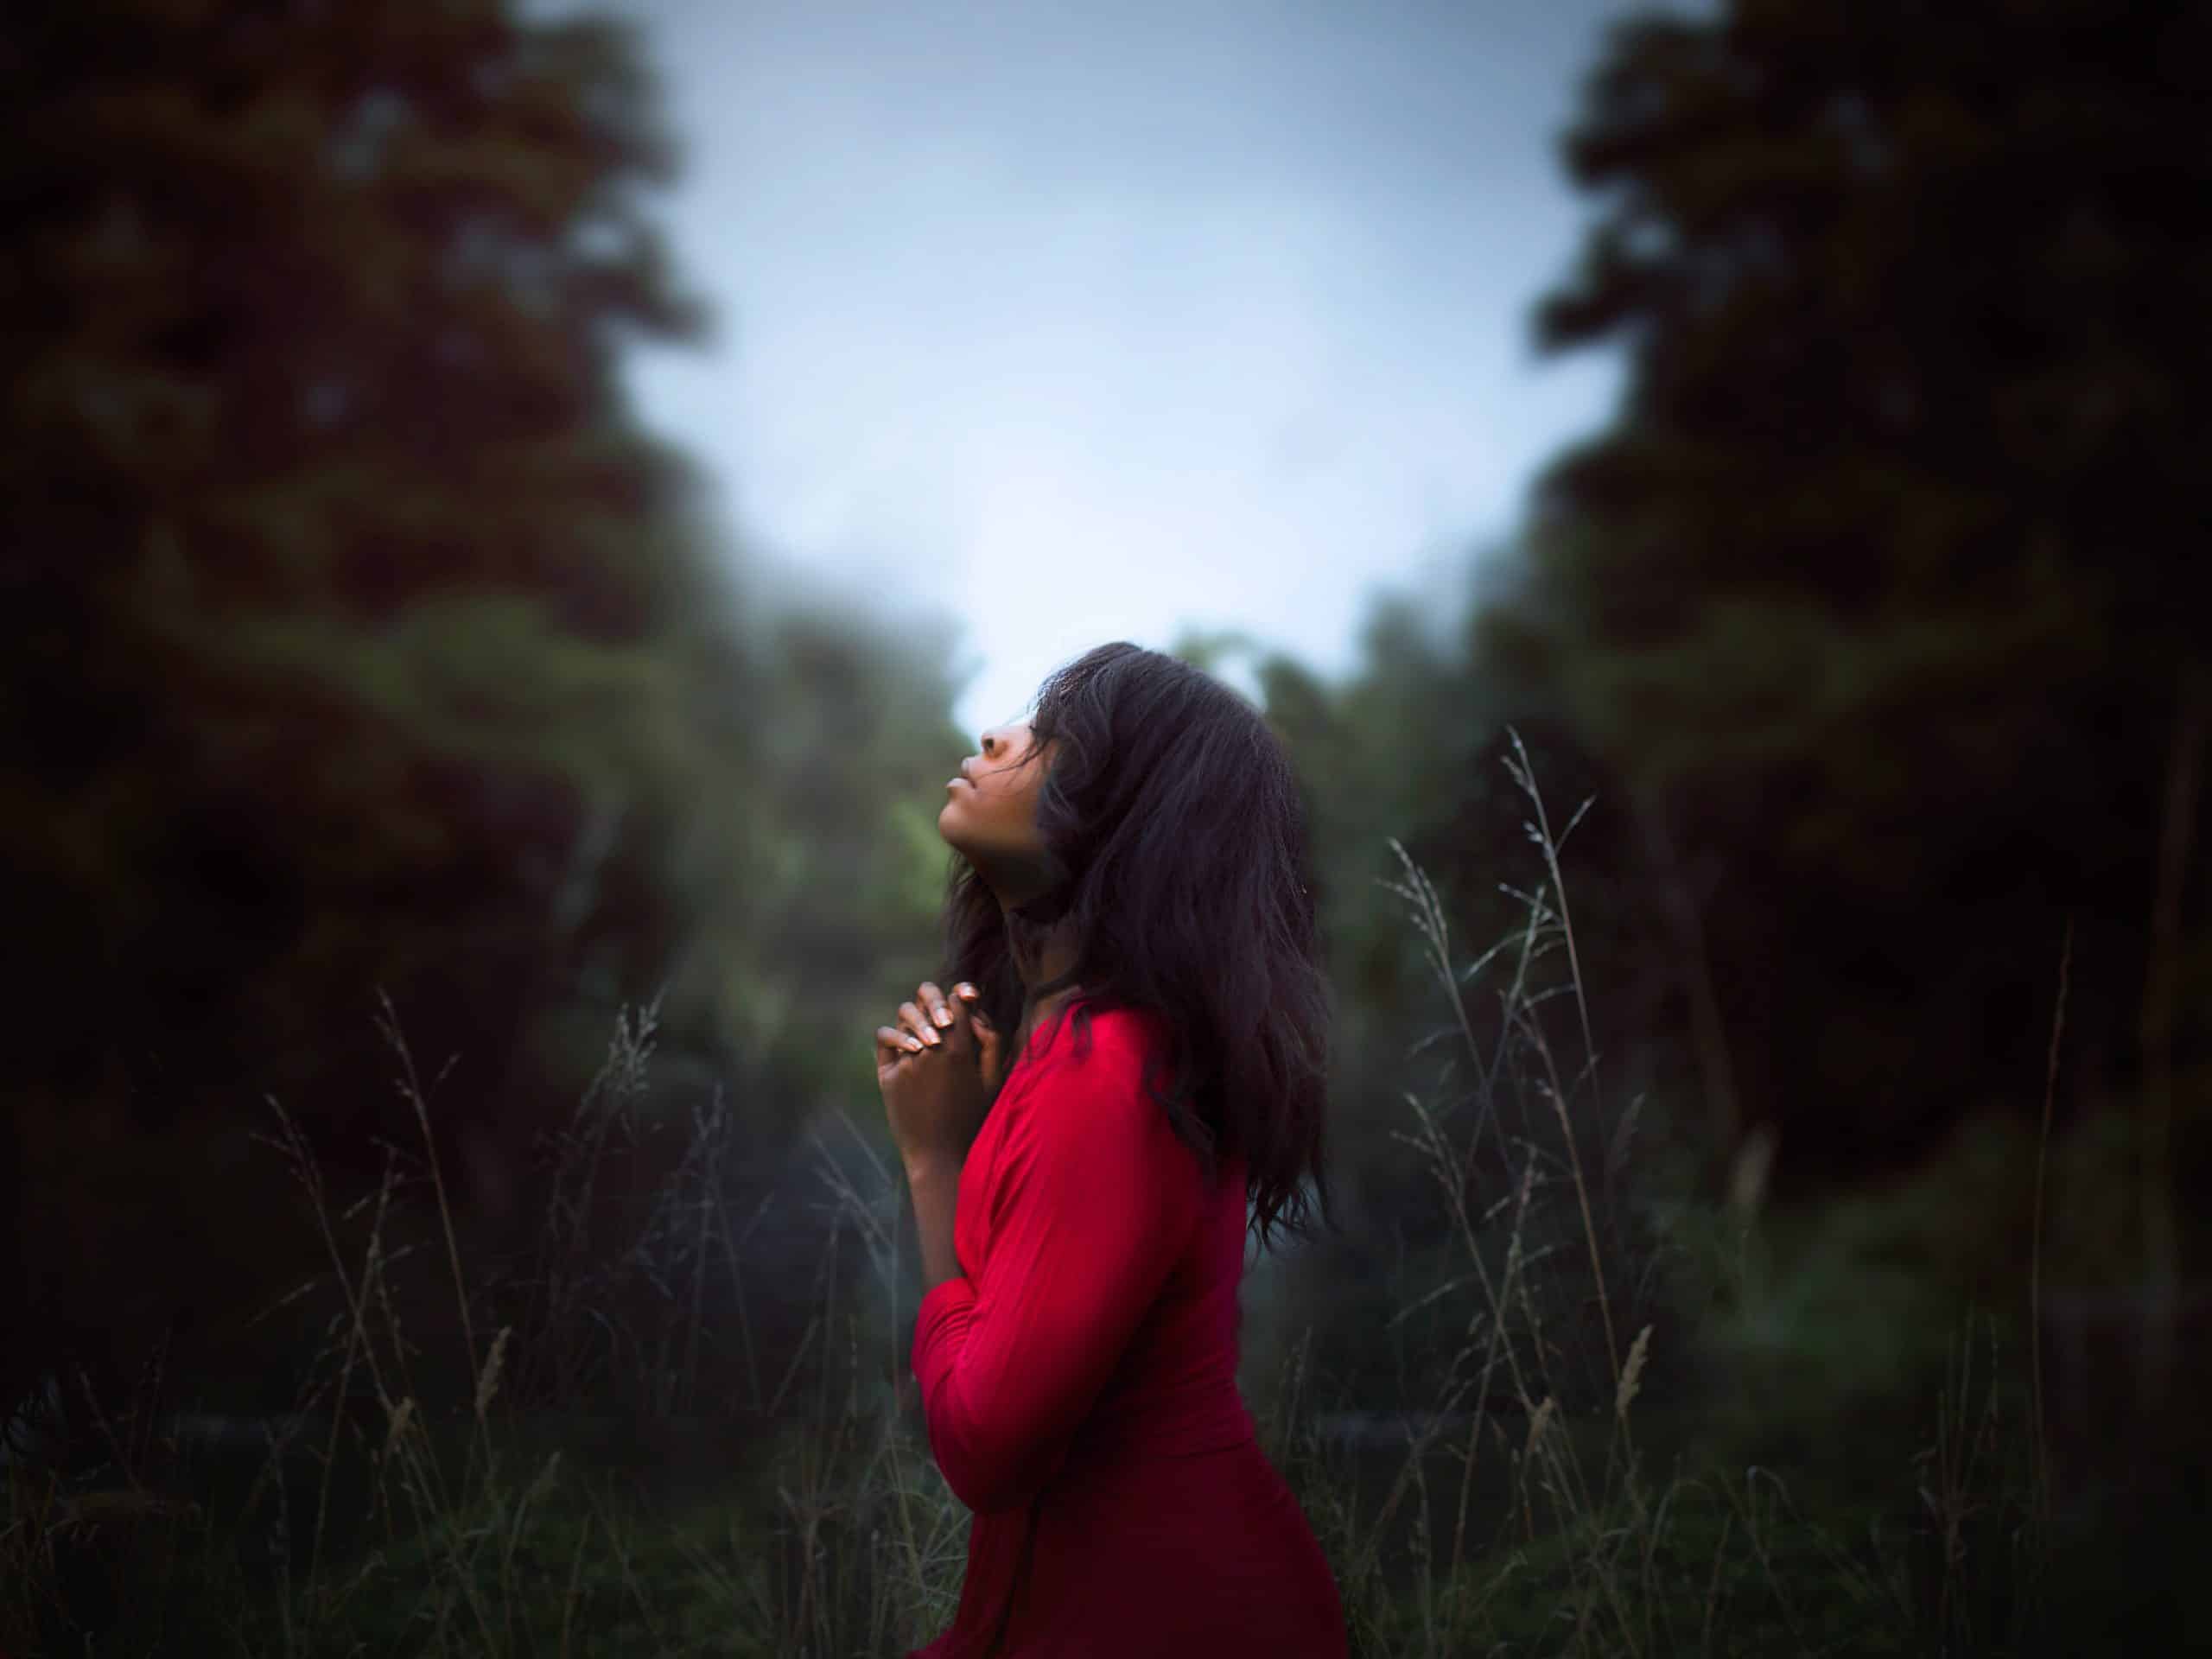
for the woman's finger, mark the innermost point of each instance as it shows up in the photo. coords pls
(934, 1003)
(893, 1045)
(918, 1022)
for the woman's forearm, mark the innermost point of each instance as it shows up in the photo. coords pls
(935, 1183)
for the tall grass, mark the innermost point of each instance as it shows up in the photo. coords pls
(1539, 1509)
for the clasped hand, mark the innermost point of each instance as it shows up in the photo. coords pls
(938, 1068)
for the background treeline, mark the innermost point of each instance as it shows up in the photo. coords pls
(1875, 624)
(361, 640)
(362, 645)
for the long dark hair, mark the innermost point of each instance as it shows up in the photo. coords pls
(1175, 836)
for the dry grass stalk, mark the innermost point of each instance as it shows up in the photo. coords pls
(1538, 1424)
(2035, 1259)
(398, 1422)
(488, 1383)
(1631, 1375)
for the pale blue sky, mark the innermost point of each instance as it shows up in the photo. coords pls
(1085, 323)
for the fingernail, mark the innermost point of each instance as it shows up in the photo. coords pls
(944, 1016)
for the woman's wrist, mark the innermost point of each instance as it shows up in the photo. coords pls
(934, 1180)
(932, 1164)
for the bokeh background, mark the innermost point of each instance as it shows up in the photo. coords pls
(512, 512)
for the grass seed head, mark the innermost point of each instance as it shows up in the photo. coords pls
(1631, 1374)
(1539, 1423)
(397, 1423)
(488, 1384)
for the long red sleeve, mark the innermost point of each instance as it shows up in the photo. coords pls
(1091, 1199)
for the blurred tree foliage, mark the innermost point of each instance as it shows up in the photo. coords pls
(1877, 593)
(360, 638)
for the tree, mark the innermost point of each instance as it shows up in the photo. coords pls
(356, 627)
(1881, 588)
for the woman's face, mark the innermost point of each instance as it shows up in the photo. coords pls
(990, 807)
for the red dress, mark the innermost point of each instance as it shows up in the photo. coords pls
(1079, 1382)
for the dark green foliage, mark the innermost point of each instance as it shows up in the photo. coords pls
(1881, 593)
(360, 641)
(333, 539)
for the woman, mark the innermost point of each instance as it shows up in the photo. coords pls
(1131, 868)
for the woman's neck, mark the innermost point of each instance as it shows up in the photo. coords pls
(1054, 957)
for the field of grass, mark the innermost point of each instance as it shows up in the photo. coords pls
(1609, 1466)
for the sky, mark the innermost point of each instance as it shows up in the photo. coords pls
(1076, 324)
